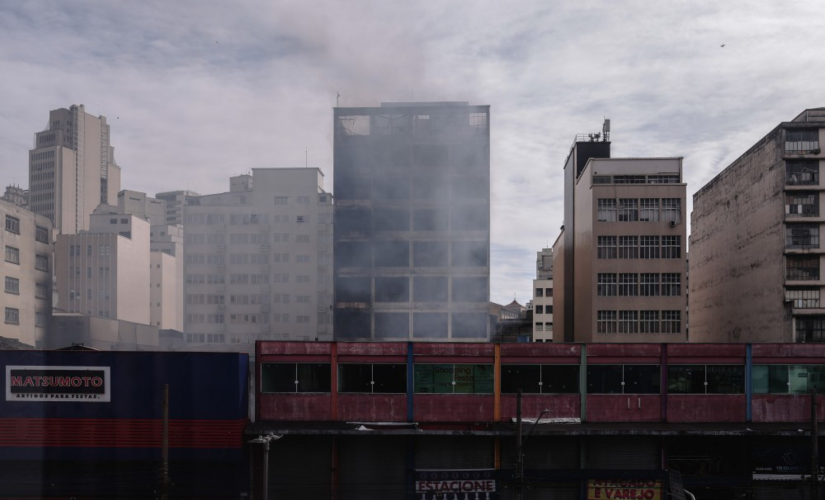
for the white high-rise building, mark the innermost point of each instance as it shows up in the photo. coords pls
(259, 261)
(72, 169)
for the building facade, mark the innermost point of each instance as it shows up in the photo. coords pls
(175, 201)
(72, 169)
(16, 196)
(136, 202)
(27, 273)
(412, 222)
(755, 249)
(259, 261)
(628, 273)
(542, 302)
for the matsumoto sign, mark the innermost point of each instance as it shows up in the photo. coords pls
(71, 384)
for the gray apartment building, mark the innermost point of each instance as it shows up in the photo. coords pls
(72, 169)
(258, 261)
(27, 273)
(619, 265)
(175, 202)
(412, 222)
(755, 248)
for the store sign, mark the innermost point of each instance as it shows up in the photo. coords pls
(782, 460)
(464, 484)
(613, 489)
(74, 384)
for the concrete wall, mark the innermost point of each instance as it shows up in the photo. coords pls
(105, 334)
(736, 248)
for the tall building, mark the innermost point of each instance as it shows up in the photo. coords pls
(543, 297)
(175, 201)
(755, 246)
(103, 272)
(27, 273)
(259, 261)
(72, 169)
(623, 280)
(412, 222)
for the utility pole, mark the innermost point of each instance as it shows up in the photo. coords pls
(814, 449)
(164, 468)
(519, 450)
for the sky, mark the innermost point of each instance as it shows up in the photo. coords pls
(197, 91)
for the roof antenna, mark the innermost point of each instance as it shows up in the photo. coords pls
(306, 157)
(337, 95)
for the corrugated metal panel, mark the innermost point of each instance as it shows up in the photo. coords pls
(301, 467)
(623, 453)
(372, 467)
(449, 452)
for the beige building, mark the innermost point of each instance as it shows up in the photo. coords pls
(542, 303)
(72, 169)
(259, 261)
(623, 278)
(27, 276)
(103, 272)
(16, 196)
(105, 334)
(755, 249)
(175, 201)
(135, 202)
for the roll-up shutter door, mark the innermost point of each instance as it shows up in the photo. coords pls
(781, 490)
(542, 454)
(623, 453)
(454, 452)
(300, 467)
(372, 467)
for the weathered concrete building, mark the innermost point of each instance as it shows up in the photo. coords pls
(412, 222)
(543, 297)
(755, 245)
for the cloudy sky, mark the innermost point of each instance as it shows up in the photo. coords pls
(196, 91)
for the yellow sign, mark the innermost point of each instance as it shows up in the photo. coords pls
(624, 489)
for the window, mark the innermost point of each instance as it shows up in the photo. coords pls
(649, 247)
(801, 173)
(41, 234)
(606, 285)
(302, 238)
(648, 321)
(671, 322)
(539, 292)
(623, 379)
(629, 179)
(12, 224)
(12, 255)
(801, 267)
(803, 298)
(103, 250)
(802, 236)
(41, 291)
(39, 319)
(372, 378)
(281, 200)
(12, 285)
(607, 210)
(607, 247)
(299, 219)
(12, 316)
(629, 284)
(628, 210)
(671, 284)
(540, 379)
(628, 247)
(788, 379)
(801, 140)
(671, 210)
(663, 179)
(705, 379)
(453, 379)
(628, 322)
(606, 322)
(295, 377)
(548, 292)
(650, 210)
(649, 284)
(671, 247)
(810, 328)
(303, 200)
(539, 310)
(539, 327)
(802, 204)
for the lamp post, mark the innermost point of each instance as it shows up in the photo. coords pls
(520, 443)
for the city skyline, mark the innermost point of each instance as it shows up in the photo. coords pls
(219, 93)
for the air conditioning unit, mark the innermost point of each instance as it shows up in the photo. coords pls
(673, 223)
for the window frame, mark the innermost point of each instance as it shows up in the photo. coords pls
(342, 378)
(506, 384)
(325, 382)
(454, 383)
(623, 384)
(707, 369)
(12, 224)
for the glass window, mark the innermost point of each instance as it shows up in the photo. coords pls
(12, 316)
(801, 141)
(606, 322)
(810, 328)
(671, 247)
(295, 377)
(12, 285)
(802, 236)
(539, 292)
(372, 378)
(540, 379)
(604, 379)
(628, 247)
(650, 210)
(725, 379)
(606, 285)
(770, 379)
(671, 284)
(649, 247)
(623, 379)
(649, 321)
(41, 234)
(607, 247)
(12, 224)
(642, 379)
(539, 310)
(671, 210)
(453, 379)
(803, 298)
(649, 284)
(12, 255)
(628, 284)
(607, 210)
(706, 379)
(802, 204)
(628, 210)
(671, 322)
(802, 267)
(802, 172)
(628, 322)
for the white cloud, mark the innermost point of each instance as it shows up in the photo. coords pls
(197, 90)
